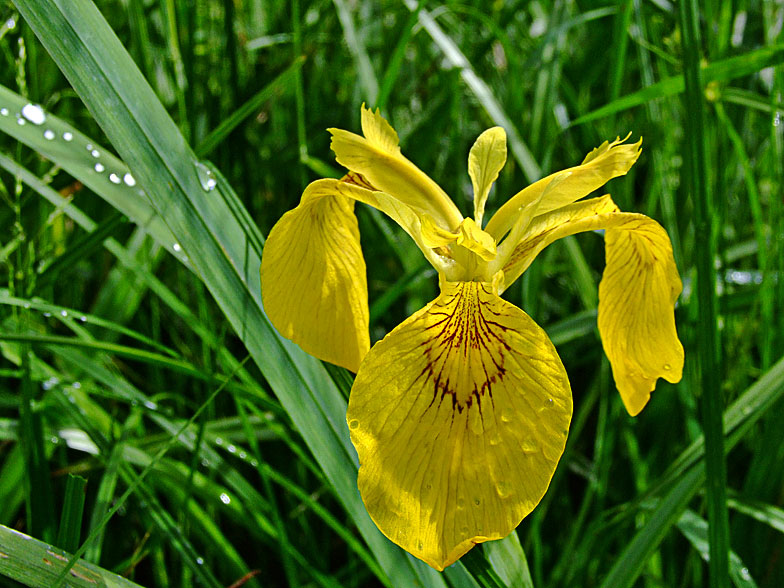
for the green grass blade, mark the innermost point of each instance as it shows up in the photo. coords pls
(40, 500)
(38, 564)
(71, 516)
(695, 529)
(508, 559)
(356, 45)
(707, 323)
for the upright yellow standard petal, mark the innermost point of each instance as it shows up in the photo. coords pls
(485, 160)
(636, 296)
(459, 417)
(313, 278)
(607, 161)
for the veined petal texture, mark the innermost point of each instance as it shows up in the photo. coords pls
(637, 297)
(313, 278)
(459, 417)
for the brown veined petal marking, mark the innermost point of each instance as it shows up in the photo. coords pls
(459, 417)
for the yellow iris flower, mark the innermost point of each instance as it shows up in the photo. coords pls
(460, 414)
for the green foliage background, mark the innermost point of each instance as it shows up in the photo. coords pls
(139, 377)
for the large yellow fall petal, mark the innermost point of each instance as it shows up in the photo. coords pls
(607, 161)
(459, 417)
(636, 296)
(313, 278)
(378, 158)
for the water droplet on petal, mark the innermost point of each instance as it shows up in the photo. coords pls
(49, 134)
(34, 113)
(129, 180)
(420, 546)
(667, 366)
(114, 178)
(477, 502)
(354, 424)
(495, 440)
(506, 415)
(206, 177)
(67, 136)
(503, 489)
(99, 167)
(529, 446)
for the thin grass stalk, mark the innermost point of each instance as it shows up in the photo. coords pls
(707, 326)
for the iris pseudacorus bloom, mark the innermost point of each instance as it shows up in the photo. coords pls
(460, 414)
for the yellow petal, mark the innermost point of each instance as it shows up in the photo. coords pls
(636, 296)
(607, 161)
(485, 160)
(434, 236)
(475, 239)
(377, 157)
(459, 417)
(313, 278)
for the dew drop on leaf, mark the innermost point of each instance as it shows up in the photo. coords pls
(206, 177)
(34, 113)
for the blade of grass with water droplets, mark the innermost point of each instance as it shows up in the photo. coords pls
(92, 164)
(35, 563)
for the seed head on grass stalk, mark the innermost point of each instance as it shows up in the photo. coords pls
(461, 413)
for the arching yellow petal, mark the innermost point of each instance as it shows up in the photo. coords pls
(485, 160)
(459, 417)
(313, 278)
(636, 296)
(607, 161)
(377, 157)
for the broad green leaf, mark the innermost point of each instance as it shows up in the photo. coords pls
(37, 564)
